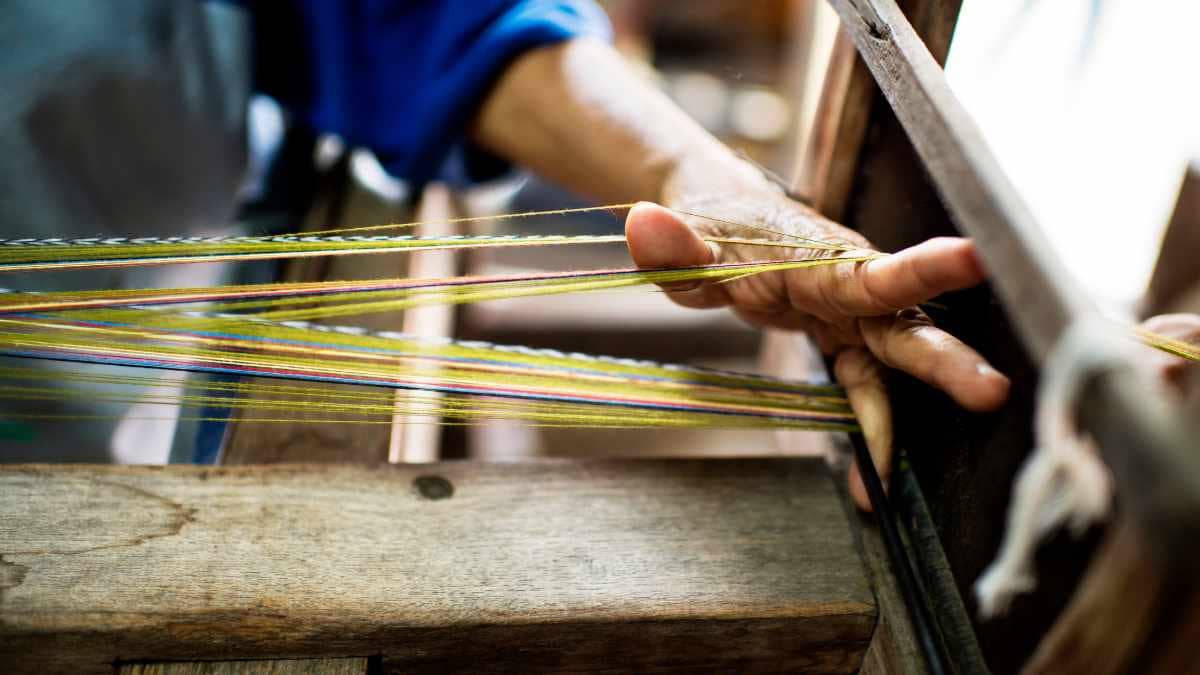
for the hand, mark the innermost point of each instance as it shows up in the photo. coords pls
(1169, 368)
(864, 313)
(618, 139)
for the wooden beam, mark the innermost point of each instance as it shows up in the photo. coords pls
(1112, 613)
(716, 565)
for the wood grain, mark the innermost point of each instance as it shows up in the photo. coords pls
(1111, 614)
(349, 666)
(894, 649)
(652, 566)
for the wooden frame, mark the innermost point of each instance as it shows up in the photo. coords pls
(678, 565)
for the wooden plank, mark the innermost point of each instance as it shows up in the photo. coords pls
(349, 666)
(652, 566)
(1130, 614)
(401, 442)
(1111, 614)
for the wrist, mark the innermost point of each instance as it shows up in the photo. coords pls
(735, 190)
(706, 180)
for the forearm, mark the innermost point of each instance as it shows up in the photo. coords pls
(576, 113)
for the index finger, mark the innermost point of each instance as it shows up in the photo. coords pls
(891, 283)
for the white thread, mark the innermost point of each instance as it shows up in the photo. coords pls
(1063, 482)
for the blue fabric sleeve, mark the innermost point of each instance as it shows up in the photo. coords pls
(403, 77)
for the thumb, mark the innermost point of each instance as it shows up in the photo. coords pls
(659, 238)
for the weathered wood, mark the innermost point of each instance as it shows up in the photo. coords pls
(350, 666)
(1110, 615)
(649, 566)
(966, 462)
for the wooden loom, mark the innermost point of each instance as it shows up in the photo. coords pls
(658, 566)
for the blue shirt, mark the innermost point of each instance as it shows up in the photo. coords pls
(403, 77)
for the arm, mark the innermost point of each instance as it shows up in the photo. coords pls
(577, 114)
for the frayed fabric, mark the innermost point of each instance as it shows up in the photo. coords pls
(1064, 482)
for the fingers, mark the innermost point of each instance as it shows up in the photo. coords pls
(890, 283)
(909, 342)
(862, 377)
(1170, 369)
(658, 238)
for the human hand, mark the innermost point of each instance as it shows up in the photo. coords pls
(1169, 368)
(864, 313)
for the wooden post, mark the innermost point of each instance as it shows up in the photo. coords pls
(420, 441)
